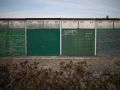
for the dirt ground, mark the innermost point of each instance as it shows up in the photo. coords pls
(95, 63)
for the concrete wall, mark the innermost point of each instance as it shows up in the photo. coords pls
(86, 24)
(4, 24)
(66, 24)
(69, 24)
(117, 24)
(35, 24)
(16, 24)
(50, 24)
(104, 24)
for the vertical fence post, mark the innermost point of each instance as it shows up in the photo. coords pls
(95, 37)
(113, 25)
(25, 37)
(43, 24)
(60, 37)
(8, 24)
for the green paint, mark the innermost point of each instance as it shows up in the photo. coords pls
(12, 42)
(108, 42)
(78, 42)
(43, 42)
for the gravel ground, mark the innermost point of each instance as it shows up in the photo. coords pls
(95, 63)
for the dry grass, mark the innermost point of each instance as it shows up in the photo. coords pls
(69, 76)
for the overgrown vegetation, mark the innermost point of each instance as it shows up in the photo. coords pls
(70, 76)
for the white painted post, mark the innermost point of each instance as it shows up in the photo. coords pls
(95, 37)
(25, 37)
(43, 24)
(78, 25)
(8, 24)
(60, 37)
(113, 25)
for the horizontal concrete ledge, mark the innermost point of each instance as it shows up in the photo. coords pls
(53, 57)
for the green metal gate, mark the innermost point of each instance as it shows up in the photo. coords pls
(108, 42)
(78, 42)
(43, 42)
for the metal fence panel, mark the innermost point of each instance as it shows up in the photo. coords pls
(12, 43)
(108, 42)
(78, 42)
(43, 42)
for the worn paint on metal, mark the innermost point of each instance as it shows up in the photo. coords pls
(108, 42)
(78, 42)
(12, 43)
